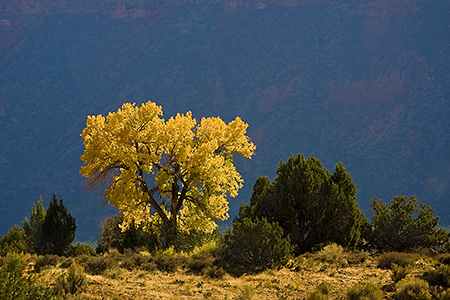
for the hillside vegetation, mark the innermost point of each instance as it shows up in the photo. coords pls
(302, 237)
(327, 274)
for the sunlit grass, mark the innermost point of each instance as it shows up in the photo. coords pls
(308, 276)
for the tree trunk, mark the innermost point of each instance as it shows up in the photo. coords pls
(169, 233)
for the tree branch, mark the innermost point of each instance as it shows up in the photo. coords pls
(159, 210)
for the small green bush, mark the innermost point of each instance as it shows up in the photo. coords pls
(15, 286)
(333, 254)
(80, 249)
(15, 241)
(354, 258)
(72, 281)
(190, 242)
(386, 260)
(444, 258)
(405, 224)
(203, 260)
(96, 265)
(149, 266)
(128, 263)
(412, 289)
(214, 272)
(316, 295)
(444, 295)
(169, 263)
(66, 262)
(197, 263)
(321, 292)
(58, 228)
(247, 293)
(398, 273)
(254, 246)
(365, 291)
(46, 261)
(139, 260)
(112, 237)
(303, 262)
(324, 287)
(439, 277)
(114, 273)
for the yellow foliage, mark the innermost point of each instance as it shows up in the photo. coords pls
(161, 171)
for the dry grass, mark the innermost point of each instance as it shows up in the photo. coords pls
(294, 282)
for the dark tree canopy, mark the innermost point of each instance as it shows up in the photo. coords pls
(405, 224)
(255, 245)
(15, 241)
(133, 237)
(33, 227)
(312, 206)
(59, 227)
(50, 232)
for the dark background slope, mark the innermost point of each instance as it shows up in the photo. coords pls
(363, 82)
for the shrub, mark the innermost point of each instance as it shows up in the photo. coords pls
(444, 258)
(66, 262)
(15, 241)
(96, 265)
(439, 277)
(133, 238)
(412, 289)
(444, 295)
(190, 242)
(114, 273)
(15, 286)
(365, 291)
(305, 261)
(128, 262)
(143, 261)
(80, 249)
(72, 281)
(405, 224)
(398, 273)
(386, 260)
(316, 295)
(254, 246)
(321, 292)
(333, 254)
(149, 266)
(323, 287)
(169, 263)
(202, 258)
(45, 261)
(247, 293)
(197, 263)
(214, 272)
(354, 258)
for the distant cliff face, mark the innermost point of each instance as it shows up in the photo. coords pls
(363, 82)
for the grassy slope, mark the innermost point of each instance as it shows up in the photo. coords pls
(294, 282)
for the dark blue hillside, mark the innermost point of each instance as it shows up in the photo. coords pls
(363, 82)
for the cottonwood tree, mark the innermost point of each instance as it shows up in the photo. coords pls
(174, 174)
